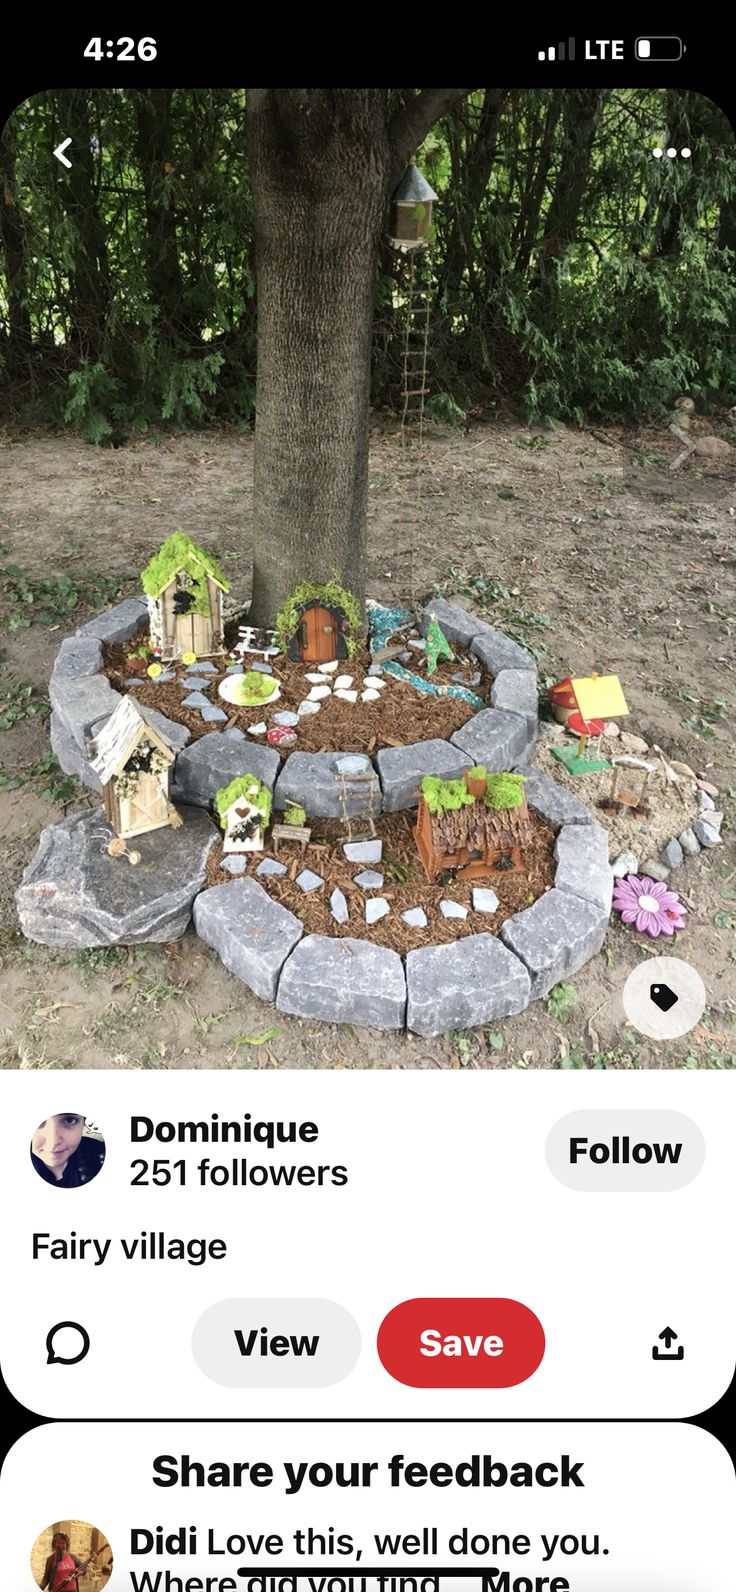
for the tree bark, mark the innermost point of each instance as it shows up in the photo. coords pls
(322, 165)
(90, 287)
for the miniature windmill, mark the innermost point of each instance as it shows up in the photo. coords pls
(591, 700)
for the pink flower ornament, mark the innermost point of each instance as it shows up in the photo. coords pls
(649, 905)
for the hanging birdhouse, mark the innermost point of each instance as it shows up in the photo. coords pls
(133, 761)
(411, 210)
(243, 808)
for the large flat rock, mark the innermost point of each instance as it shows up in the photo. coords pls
(552, 801)
(206, 765)
(74, 895)
(251, 934)
(344, 981)
(496, 739)
(118, 623)
(402, 769)
(310, 779)
(555, 937)
(496, 652)
(465, 985)
(582, 863)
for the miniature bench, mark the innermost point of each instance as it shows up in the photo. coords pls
(281, 832)
(251, 639)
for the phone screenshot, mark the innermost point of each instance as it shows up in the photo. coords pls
(367, 813)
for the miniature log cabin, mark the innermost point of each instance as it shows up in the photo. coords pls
(243, 808)
(184, 586)
(472, 827)
(134, 761)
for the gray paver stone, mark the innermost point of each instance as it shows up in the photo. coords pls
(583, 868)
(252, 934)
(555, 937)
(344, 981)
(552, 801)
(498, 652)
(474, 981)
(496, 739)
(310, 779)
(706, 834)
(402, 769)
(79, 702)
(689, 842)
(118, 623)
(671, 854)
(515, 691)
(211, 762)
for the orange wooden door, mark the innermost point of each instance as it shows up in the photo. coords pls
(319, 630)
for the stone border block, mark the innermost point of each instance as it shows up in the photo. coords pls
(515, 691)
(552, 801)
(310, 779)
(251, 933)
(78, 657)
(118, 623)
(498, 740)
(555, 937)
(213, 760)
(465, 984)
(344, 981)
(402, 769)
(583, 868)
(497, 652)
(80, 702)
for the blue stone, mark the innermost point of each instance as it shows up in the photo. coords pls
(369, 879)
(205, 667)
(307, 880)
(271, 866)
(196, 700)
(260, 668)
(213, 715)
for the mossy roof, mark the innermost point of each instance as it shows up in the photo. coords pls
(180, 552)
(245, 787)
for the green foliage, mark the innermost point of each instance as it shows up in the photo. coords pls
(295, 815)
(504, 791)
(25, 601)
(442, 406)
(561, 1003)
(177, 553)
(445, 795)
(19, 701)
(248, 788)
(479, 772)
(95, 401)
(332, 595)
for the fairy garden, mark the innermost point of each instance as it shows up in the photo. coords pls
(351, 808)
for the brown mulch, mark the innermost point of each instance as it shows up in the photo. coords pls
(324, 855)
(402, 715)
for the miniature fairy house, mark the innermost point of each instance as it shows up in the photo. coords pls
(472, 827)
(133, 761)
(583, 705)
(184, 586)
(318, 623)
(244, 809)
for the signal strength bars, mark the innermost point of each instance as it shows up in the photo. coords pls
(558, 52)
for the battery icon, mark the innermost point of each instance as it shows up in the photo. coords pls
(659, 49)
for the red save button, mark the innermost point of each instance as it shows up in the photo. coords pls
(460, 1342)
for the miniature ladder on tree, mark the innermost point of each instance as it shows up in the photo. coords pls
(417, 291)
(367, 795)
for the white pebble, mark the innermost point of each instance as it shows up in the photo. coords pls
(343, 682)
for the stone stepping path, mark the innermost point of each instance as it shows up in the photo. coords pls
(363, 850)
(375, 909)
(485, 900)
(307, 880)
(286, 717)
(369, 879)
(205, 667)
(213, 715)
(271, 867)
(339, 907)
(453, 909)
(415, 917)
(234, 864)
(197, 699)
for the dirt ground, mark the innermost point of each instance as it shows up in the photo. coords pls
(593, 556)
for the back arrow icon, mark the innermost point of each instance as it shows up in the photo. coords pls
(59, 152)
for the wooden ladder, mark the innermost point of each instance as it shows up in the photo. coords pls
(370, 781)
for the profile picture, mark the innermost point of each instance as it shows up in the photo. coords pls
(67, 1150)
(71, 1556)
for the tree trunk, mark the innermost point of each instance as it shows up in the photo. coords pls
(13, 247)
(320, 186)
(322, 164)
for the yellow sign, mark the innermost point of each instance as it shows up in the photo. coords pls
(600, 696)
